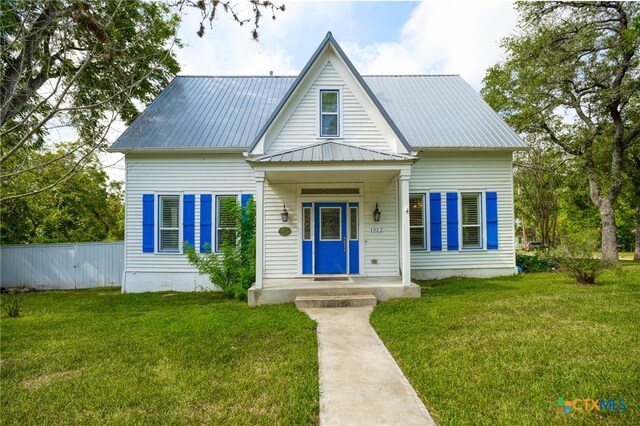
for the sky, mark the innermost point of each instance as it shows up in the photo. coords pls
(431, 37)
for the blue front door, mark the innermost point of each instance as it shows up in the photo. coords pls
(331, 238)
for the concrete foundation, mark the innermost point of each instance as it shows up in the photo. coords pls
(276, 291)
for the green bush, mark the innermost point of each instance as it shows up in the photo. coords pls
(233, 270)
(575, 256)
(13, 301)
(534, 262)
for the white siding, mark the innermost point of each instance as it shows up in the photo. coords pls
(301, 128)
(467, 171)
(281, 254)
(382, 247)
(193, 174)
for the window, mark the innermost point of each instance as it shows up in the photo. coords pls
(471, 220)
(169, 223)
(306, 223)
(353, 224)
(417, 235)
(330, 220)
(225, 221)
(329, 113)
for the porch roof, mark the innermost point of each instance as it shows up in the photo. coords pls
(330, 151)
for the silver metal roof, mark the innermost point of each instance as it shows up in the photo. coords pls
(431, 111)
(331, 151)
(442, 111)
(196, 112)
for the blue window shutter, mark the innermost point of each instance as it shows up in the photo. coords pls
(452, 221)
(492, 220)
(205, 223)
(244, 200)
(436, 221)
(189, 219)
(147, 223)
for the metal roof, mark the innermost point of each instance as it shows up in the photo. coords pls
(425, 111)
(331, 151)
(196, 112)
(442, 111)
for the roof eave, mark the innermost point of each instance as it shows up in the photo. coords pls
(178, 150)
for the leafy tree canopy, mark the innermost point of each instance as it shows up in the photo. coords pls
(87, 207)
(572, 76)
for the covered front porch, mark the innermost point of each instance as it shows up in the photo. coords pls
(332, 219)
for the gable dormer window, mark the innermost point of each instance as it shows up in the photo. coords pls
(329, 113)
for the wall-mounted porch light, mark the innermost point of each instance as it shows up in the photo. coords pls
(285, 214)
(376, 214)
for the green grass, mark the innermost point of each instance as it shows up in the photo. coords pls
(501, 351)
(101, 357)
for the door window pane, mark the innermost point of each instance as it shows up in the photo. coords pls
(306, 213)
(330, 223)
(353, 225)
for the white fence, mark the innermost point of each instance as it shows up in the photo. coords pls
(62, 266)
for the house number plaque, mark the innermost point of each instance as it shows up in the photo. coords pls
(285, 231)
(377, 230)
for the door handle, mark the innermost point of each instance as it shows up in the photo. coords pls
(344, 244)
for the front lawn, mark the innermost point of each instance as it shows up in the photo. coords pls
(101, 357)
(502, 351)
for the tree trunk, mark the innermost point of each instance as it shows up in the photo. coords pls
(609, 240)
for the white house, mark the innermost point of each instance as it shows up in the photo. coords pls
(383, 178)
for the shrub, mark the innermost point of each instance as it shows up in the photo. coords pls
(534, 262)
(575, 256)
(13, 300)
(233, 270)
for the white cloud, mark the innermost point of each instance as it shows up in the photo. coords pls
(442, 37)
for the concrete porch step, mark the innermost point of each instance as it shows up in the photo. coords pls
(335, 301)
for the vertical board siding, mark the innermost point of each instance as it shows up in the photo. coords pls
(302, 126)
(62, 266)
(177, 174)
(468, 171)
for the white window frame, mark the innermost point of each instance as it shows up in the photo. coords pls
(158, 221)
(483, 222)
(338, 113)
(216, 197)
(425, 221)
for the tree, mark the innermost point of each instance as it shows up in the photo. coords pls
(233, 270)
(84, 65)
(572, 75)
(538, 180)
(87, 207)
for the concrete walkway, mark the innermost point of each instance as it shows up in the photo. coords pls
(360, 382)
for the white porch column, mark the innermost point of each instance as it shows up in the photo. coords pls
(404, 226)
(259, 228)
